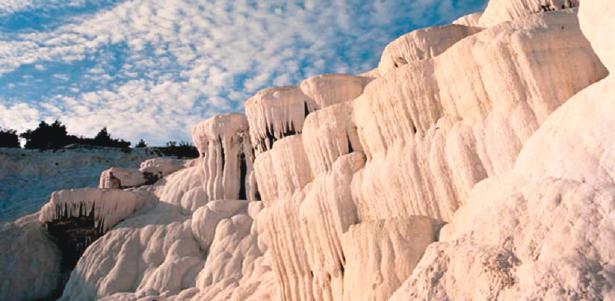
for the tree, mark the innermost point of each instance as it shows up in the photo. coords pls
(103, 138)
(47, 136)
(9, 138)
(141, 144)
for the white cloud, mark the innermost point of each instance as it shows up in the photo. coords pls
(181, 60)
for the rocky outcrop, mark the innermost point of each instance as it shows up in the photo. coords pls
(421, 44)
(499, 11)
(29, 261)
(226, 156)
(157, 168)
(465, 125)
(540, 231)
(117, 178)
(473, 163)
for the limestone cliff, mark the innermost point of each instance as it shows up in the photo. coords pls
(474, 163)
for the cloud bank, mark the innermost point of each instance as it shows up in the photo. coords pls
(152, 68)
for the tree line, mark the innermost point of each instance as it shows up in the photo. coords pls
(52, 136)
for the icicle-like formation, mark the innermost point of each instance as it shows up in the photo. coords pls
(421, 44)
(329, 134)
(499, 11)
(282, 170)
(275, 113)
(464, 117)
(325, 214)
(109, 206)
(226, 156)
(329, 89)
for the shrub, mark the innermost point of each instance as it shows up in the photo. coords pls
(9, 138)
(183, 150)
(141, 144)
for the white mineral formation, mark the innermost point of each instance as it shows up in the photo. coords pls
(499, 11)
(29, 261)
(380, 255)
(226, 156)
(469, 20)
(275, 113)
(161, 167)
(421, 44)
(117, 177)
(108, 206)
(475, 163)
(329, 89)
(544, 230)
(468, 111)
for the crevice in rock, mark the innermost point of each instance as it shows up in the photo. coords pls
(72, 235)
(243, 171)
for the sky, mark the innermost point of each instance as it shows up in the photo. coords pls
(152, 69)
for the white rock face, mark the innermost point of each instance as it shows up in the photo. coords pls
(148, 254)
(595, 18)
(469, 20)
(29, 261)
(117, 177)
(109, 206)
(329, 134)
(226, 156)
(499, 11)
(469, 111)
(278, 112)
(421, 44)
(499, 126)
(380, 255)
(543, 230)
(329, 89)
(283, 170)
(275, 113)
(161, 167)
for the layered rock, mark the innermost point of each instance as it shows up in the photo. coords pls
(541, 231)
(462, 118)
(147, 254)
(29, 261)
(105, 207)
(226, 156)
(421, 44)
(275, 113)
(499, 11)
(380, 255)
(329, 89)
(357, 173)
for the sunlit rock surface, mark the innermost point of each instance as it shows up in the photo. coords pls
(465, 114)
(498, 11)
(475, 163)
(544, 230)
(117, 177)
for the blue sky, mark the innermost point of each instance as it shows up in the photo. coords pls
(153, 68)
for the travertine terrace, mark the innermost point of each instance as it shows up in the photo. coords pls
(475, 162)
